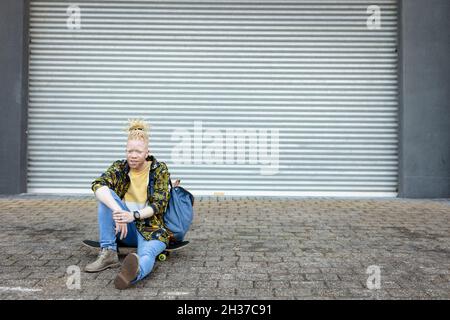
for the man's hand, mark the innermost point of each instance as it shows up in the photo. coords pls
(176, 183)
(122, 218)
(123, 229)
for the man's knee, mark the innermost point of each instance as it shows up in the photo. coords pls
(115, 196)
(102, 206)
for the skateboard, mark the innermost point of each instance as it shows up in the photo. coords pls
(124, 250)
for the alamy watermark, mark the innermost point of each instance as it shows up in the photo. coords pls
(228, 146)
(73, 277)
(373, 22)
(374, 279)
(73, 21)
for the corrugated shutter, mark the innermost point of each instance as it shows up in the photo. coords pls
(307, 82)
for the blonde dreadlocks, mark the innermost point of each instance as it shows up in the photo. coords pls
(138, 130)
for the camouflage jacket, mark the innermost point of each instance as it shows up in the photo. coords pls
(116, 178)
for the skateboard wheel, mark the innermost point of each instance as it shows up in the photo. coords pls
(162, 257)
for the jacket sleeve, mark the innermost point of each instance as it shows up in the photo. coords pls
(108, 178)
(161, 194)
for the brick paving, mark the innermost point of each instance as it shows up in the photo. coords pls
(241, 248)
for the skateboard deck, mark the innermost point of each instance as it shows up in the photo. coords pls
(124, 250)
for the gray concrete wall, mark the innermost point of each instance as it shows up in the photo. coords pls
(424, 99)
(13, 95)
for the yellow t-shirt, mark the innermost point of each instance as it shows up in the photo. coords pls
(136, 196)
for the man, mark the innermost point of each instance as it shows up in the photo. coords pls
(128, 212)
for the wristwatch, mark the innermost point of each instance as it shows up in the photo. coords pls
(136, 215)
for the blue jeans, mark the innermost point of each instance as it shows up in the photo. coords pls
(146, 250)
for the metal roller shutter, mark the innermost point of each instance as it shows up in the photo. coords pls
(243, 97)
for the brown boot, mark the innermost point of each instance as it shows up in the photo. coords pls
(106, 259)
(128, 272)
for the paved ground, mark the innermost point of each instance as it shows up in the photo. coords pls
(312, 248)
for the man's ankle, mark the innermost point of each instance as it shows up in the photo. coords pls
(109, 248)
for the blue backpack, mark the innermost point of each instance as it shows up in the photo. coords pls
(180, 209)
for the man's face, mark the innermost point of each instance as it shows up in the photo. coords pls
(137, 152)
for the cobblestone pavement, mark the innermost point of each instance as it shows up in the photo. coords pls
(241, 248)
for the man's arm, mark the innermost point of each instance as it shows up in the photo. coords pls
(106, 182)
(102, 187)
(103, 194)
(108, 178)
(146, 213)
